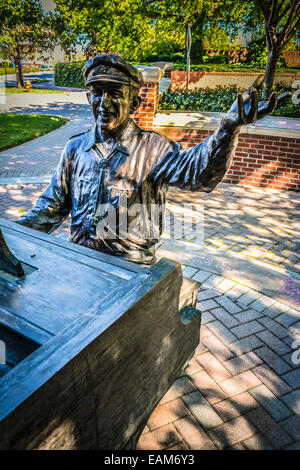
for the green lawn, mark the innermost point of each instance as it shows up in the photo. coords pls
(18, 128)
(12, 89)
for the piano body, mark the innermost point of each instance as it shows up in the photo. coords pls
(90, 343)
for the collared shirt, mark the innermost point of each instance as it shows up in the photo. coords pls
(117, 199)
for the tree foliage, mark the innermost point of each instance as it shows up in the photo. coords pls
(24, 31)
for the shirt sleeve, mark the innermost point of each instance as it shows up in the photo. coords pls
(199, 168)
(53, 205)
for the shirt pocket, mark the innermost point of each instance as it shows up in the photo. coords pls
(83, 189)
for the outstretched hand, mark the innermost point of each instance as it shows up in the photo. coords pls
(246, 109)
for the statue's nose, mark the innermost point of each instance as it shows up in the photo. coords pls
(105, 101)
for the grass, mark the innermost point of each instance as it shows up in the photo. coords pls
(11, 70)
(18, 128)
(12, 89)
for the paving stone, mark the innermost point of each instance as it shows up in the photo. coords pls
(207, 294)
(206, 305)
(273, 326)
(206, 317)
(239, 383)
(204, 332)
(273, 360)
(217, 348)
(188, 271)
(288, 318)
(256, 442)
(166, 413)
(235, 406)
(294, 446)
(179, 388)
(213, 367)
(202, 410)
(160, 439)
(230, 306)
(292, 400)
(237, 291)
(273, 342)
(221, 331)
(192, 367)
(268, 428)
(262, 303)
(249, 297)
(200, 349)
(247, 329)
(180, 446)
(228, 320)
(276, 309)
(245, 345)
(212, 281)
(201, 276)
(232, 432)
(292, 358)
(248, 315)
(238, 446)
(292, 426)
(225, 285)
(295, 328)
(270, 403)
(193, 434)
(293, 378)
(208, 387)
(271, 380)
(242, 363)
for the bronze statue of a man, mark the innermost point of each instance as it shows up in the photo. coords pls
(112, 176)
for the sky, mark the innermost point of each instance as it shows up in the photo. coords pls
(48, 5)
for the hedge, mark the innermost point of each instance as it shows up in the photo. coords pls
(69, 74)
(217, 100)
(234, 68)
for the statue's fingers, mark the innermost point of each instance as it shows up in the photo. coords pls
(257, 84)
(252, 113)
(283, 98)
(241, 110)
(268, 106)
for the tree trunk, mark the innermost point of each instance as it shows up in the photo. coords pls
(19, 73)
(273, 56)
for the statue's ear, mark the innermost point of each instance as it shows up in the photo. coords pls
(88, 95)
(136, 101)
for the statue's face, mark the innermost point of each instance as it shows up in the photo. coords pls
(111, 105)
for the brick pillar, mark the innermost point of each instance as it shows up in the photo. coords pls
(144, 116)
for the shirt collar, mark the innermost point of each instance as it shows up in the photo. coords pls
(123, 142)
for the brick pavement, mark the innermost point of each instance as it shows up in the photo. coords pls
(241, 388)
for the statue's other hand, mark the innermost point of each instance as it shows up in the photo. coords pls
(246, 109)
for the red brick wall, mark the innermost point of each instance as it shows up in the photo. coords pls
(144, 116)
(259, 160)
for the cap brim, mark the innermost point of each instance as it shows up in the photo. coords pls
(106, 78)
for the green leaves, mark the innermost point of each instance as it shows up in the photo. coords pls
(216, 100)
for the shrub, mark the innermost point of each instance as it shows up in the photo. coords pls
(69, 74)
(175, 57)
(215, 59)
(216, 100)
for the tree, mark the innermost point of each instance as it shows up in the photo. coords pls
(278, 20)
(24, 31)
(108, 25)
(282, 20)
